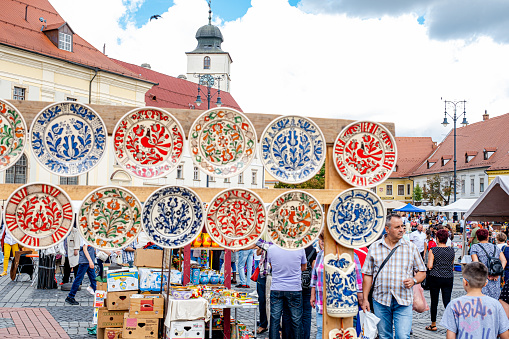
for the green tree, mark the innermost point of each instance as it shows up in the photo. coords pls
(438, 189)
(317, 182)
(417, 196)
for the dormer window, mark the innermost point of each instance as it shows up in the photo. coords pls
(488, 152)
(206, 62)
(445, 160)
(65, 41)
(430, 163)
(61, 35)
(469, 156)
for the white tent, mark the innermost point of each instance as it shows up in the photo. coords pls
(461, 205)
(493, 204)
(392, 204)
(430, 208)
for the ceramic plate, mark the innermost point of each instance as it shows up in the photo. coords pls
(365, 154)
(148, 142)
(292, 149)
(295, 220)
(109, 218)
(222, 142)
(68, 138)
(356, 218)
(236, 218)
(173, 216)
(38, 215)
(12, 135)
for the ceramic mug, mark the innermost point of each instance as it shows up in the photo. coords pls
(340, 286)
(195, 276)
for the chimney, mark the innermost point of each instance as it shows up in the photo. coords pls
(147, 66)
(485, 116)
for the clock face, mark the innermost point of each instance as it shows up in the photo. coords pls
(207, 80)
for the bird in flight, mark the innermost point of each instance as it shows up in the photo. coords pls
(157, 16)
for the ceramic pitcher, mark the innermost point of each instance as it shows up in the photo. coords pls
(341, 285)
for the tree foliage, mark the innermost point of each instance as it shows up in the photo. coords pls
(438, 189)
(417, 196)
(317, 182)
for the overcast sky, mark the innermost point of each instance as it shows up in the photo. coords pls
(390, 60)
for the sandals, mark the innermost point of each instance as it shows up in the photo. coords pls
(261, 330)
(431, 328)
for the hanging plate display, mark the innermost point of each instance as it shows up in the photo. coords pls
(356, 218)
(222, 142)
(236, 218)
(148, 142)
(68, 138)
(365, 153)
(295, 220)
(292, 149)
(173, 216)
(12, 135)
(109, 218)
(38, 215)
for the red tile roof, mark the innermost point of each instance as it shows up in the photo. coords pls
(412, 151)
(17, 32)
(472, 140)
(174, 92)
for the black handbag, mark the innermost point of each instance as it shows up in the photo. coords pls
(370, 294)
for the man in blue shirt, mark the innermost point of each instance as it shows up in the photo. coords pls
(85, 265)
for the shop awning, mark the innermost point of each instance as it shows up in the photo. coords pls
(461, 205)
(410, 208)
(493, 204)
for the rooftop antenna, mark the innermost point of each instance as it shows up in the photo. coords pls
(210, 12)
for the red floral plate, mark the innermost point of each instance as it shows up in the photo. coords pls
(109, 218)
(365, 153)
(38, 215)
(148, 142)
(236, 218)
(13, 131)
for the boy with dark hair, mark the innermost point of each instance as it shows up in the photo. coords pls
(475, 315)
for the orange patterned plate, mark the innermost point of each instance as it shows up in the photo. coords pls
(12, 135)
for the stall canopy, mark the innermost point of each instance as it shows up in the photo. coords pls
(493, 204)
(430, 208)
(392, 204)
(461, 205)
(410, 208)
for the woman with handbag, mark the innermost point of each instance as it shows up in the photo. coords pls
(441, 274)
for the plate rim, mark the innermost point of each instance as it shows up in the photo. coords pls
(25, 138)
(137, 110)
(200, 228)
(359, 188)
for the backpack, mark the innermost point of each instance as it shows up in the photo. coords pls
(306, 274)
(494, 263)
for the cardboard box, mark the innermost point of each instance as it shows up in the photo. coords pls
(140, 328)
(150, 279)
(107, 318)
(112, 333)
(186, 329)
(123, 280)
(148, 306)
(100, 333)
(117, 301)
(148, 258)
(101, 286)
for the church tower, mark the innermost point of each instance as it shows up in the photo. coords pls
(208, 57)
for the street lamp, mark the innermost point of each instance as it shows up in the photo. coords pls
(455, 118)
(208, 81)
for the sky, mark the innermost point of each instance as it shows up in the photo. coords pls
(391, 60)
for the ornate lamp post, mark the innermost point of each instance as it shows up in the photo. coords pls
(208, 81)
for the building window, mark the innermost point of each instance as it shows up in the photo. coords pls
(18, 93)
(227, 180)
(211, 178)
(241, 178)
(180, 172)
(388, 189)
(407, 189)
(253, 178)
(401, 189)
(196, 173)
(71, 99)
(481, 184)
(373, 189)
(472, 186)
(68, 180)
(206, 62)
(65, 41)
(462, 186)
(17, 174)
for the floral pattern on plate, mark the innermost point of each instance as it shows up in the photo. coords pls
(39, 215)
(292, 149)
(109, 218)
(365, 153)
(349, 333)
(173, 216)
(356, 218)
(148, 142)
(222, 142)
(295, 220)
(236, 218)
(68, 138)
(12, 135)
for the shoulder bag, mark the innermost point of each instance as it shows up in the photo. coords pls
(306, 274)
(370, 294)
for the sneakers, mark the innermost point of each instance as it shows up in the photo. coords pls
(239, 286)
(3, 273)
(90, 290)
(71, 301)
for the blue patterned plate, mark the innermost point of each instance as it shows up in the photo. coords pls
(356, 218)
(172, 216)
(292, 149)
(68, 138)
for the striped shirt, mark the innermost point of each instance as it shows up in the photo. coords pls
(317, 281)
(405, 261)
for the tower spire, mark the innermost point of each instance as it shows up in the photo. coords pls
(210, 12)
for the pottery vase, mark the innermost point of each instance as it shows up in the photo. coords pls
(195, 276)
(341, 286)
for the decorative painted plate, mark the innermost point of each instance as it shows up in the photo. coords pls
(295, 220)
(222, 142)
(365, 153)
(12, 135)
(109, 218)
(172, 216)
(236, 218)
(356, 218)
(148, 142)
(38, 215)
(68, 138)
(292, 149)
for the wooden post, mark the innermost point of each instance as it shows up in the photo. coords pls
(335, 182)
